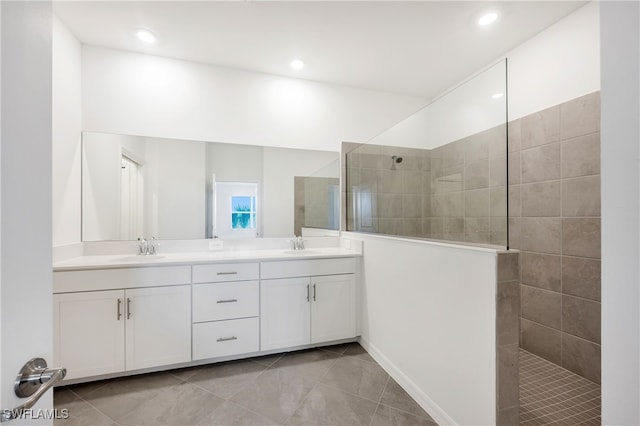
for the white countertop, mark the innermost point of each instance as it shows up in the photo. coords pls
(190, 258)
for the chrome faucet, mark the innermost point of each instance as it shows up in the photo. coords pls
(145, 248)
(297, 243)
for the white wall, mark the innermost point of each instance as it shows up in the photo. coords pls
(280, 166)
(557, 65)
(137, 94)
(429, 316)
(26, 305)
(620, 136)
(67, 127)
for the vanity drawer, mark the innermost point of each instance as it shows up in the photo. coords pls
(306, 268)
(220, 272)
(222, 301)
(224, 338)
(110, 279)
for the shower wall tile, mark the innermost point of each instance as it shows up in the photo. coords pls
(514, 127)
(541, 199)
(541, 128)
(412, 227)
(542, 235)
(581, 196)
(476, 175)
(498, 171)
(580, 116)
(498, 199)
(581, 357)
(391, 206)
(581, 277)
(412, 206)
(508, 383)
(541, 306)
(540, 164)
(499, 231)
(515, 201)
(477, 203)
(581, 156)
(581, 317)
(453, 204)
(541, 270)
(453, 154)
(581, 237)
(477, 230)
(476, 148)
(392, 182)
(515, 233)
(514, 167)
(412, 182)
(543, 341)
(453, 225)
(509, 267)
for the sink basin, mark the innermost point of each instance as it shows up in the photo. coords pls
(150, 258)
(300, 252)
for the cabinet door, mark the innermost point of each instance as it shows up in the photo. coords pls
(158, 326)
(89, 332)
(333, 309)
(284, 313)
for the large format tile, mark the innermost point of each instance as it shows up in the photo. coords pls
(225, 379)
(275, 394)
(507, 380)
(581, 237)
(508, 313)
(581, 196)
(476, 175)
(581, 318)
(542, 235)
(541, 270)
(508, 267)
(581, 357)
(183, 403)
(541, 199)
(355, 350)
(80, 413)
(581, 156)
(581, 277)
(540, 340)
(540, 128)
(514, 128)
(580, 116)
(541, 306)
(540, 164)
(477, 203)
(386, 416)
(307, 367)
(396, 397)
(498, 201)
(231, 414)
(361, 378)
(514, 168)
(120, 397)
(498, 171)
(328, 406)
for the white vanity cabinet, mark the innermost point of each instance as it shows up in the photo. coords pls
(226, 310)
(109, 331)
(302, 310)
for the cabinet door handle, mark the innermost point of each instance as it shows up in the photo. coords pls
(128, 308)
(119, 309)
(307, 292)
(227, 273)
(227, 301)
(314, 292)
(226, 339)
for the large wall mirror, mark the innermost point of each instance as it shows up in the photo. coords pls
(136, 186)
(439, 174)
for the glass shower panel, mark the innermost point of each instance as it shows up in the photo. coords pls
(439, 174)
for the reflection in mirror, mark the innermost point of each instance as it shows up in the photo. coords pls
(439, 174)
(317, 201)
(136, 186)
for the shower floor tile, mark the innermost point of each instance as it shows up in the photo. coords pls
(551, 395)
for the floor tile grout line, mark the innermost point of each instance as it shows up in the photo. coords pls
(97, 409)
(384, 388)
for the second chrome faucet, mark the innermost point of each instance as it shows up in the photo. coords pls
(146, 248)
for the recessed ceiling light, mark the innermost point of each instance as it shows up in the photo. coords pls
(497, 95)
(296, 64)
(487, 19)
(146, 36)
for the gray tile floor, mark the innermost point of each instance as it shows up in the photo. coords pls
(551, 395)
(337, 385)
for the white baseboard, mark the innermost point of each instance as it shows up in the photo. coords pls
(437, 413)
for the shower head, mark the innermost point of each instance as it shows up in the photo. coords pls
(395, 160)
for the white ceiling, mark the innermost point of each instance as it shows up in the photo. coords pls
(418, 47)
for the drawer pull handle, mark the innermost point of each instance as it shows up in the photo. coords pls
(227, 273)
(226, 339)
(227, 301)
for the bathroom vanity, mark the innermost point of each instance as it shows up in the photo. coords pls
(116, 315)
